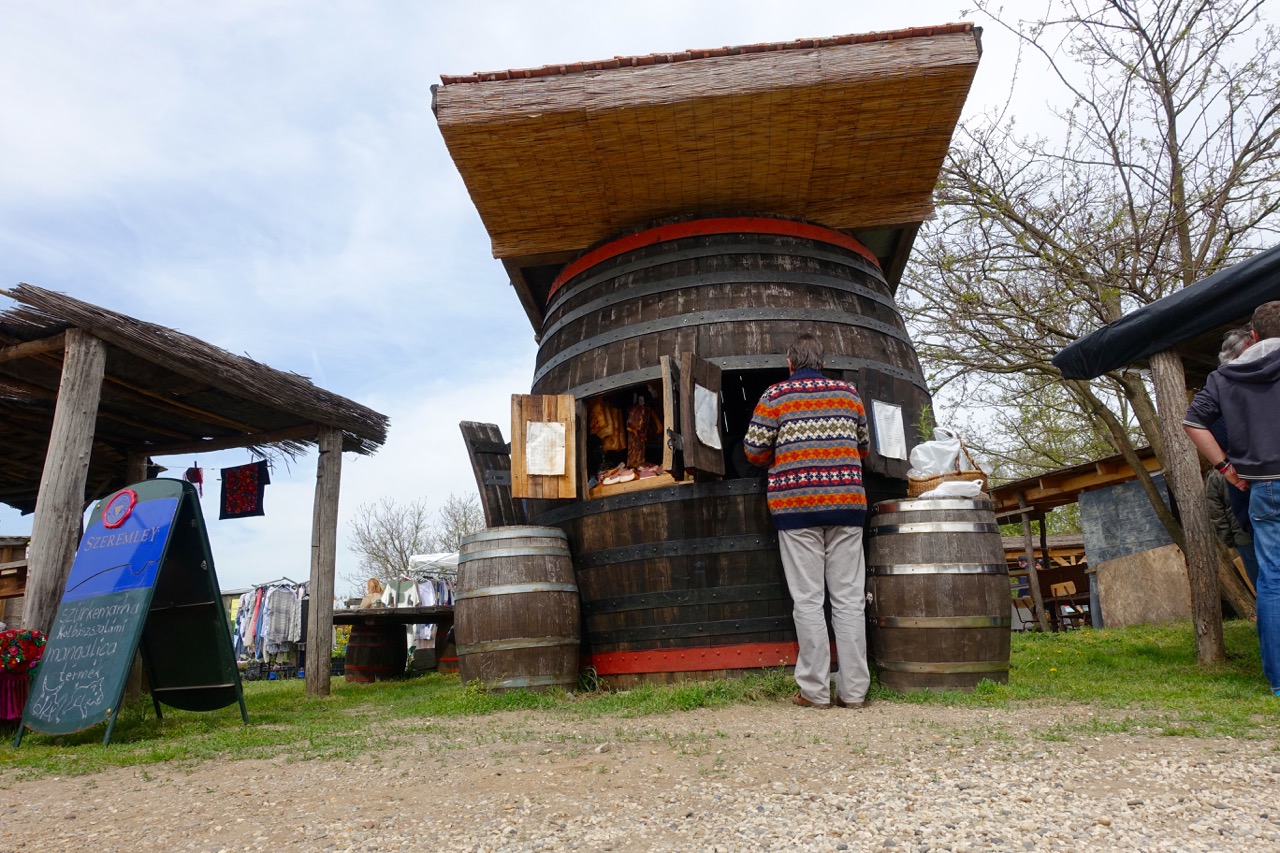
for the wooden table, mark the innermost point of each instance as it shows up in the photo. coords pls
(441, 615)
(387, 624)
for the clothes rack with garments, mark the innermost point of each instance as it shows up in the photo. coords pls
(267, 626)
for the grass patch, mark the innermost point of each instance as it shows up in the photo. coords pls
(1135, 680)
(1148, 671)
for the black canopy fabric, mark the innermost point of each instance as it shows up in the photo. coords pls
(1222, 298)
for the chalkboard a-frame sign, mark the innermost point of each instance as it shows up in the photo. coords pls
(142, 580)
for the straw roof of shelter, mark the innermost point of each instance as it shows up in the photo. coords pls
(849, 132)
(164, 392)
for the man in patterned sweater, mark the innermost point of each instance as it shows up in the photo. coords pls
(811, 433)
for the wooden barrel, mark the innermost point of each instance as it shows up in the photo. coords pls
(736, 291)
(376, 653)
(938, 594)
(680, 583)
(516, 609)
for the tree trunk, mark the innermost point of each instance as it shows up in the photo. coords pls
(324, 553)
(1182, 471)
(55, 531)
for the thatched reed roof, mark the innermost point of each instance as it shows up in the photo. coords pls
(849, 132)
(164, 392)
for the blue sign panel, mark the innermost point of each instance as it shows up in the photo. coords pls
(142, 580)
(125, 556)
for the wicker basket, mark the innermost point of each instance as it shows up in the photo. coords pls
(917, 486)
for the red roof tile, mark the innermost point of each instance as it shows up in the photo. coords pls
(664, 58)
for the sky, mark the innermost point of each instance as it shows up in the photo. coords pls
(268, 177)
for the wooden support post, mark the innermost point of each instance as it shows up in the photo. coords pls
(135, 467)
(324, 554)
(1032, 575)
(55, 530)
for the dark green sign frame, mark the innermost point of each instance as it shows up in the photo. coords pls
(142, 581)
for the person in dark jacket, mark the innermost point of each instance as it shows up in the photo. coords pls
(1245, 393)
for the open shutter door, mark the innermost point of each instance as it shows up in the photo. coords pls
(888, 422)
(544, 446)
(701, 419)
(672, 443)
(491, 463)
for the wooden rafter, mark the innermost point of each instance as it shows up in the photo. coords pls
(29, 349)
(1061, 487)
(258, 439)
(142, 395)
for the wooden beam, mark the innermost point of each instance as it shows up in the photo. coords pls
(160, 401)
(13, 579)
(1034, 577)
(48, 394)
(1057, 489)
(33, 348)
(324, 554)
(55, 531)
(164, 403)
(304, 432)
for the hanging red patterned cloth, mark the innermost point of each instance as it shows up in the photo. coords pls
(195, 476)
(242, 490)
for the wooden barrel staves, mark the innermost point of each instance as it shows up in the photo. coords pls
(736, 291)
(939, 595)
(376, 653)
(516, 609)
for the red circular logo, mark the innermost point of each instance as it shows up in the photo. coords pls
(119, 507)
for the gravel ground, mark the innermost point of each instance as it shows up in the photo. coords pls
(750, 777)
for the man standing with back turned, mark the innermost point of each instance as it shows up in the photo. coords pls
(811, 433)
(1245, 393)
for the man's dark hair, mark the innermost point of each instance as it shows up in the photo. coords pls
(805, 352)
(1266, 320)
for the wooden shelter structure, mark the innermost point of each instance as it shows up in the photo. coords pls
(1177, 338)
(88, 395)
(848, 131)
(671, 223)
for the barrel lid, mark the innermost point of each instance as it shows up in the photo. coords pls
(919, 504)
(517, 531)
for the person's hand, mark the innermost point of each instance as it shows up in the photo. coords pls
(1234, 479)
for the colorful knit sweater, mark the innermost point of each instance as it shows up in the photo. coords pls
(811, 433)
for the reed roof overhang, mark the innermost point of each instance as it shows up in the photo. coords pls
(163, 392)
(849, 132)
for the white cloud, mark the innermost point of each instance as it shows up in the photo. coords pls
(269, 178)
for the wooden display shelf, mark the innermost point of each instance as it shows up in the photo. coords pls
(636, 485)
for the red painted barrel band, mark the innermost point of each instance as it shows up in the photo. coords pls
(706, 658)
(703, 227)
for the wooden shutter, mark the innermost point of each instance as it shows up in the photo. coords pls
(491, 463)
(875, 385)
(541, 425)
(691, 391)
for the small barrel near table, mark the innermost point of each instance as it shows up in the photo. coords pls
(516, 609)
(376, 653)
(938, 594)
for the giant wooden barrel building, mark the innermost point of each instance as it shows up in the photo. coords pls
(670, 223)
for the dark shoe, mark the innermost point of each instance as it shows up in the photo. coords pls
(843, 704)
(799, 699)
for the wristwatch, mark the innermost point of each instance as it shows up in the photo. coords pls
(1223, 465)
